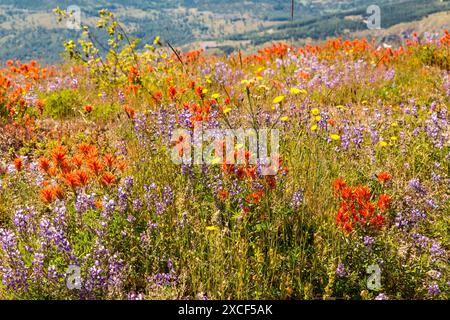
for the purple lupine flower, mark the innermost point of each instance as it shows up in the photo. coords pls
(323, 120)
(164, 279)
(401, 221)
(436, 177)
(131, 218)
(122, 196)
(137, 204)
(374, 134)
(167, 195)
(144, 238)
(297, 200)
(152, 226)
(96, 278)
(436, 249)
(15, 274)
(121, 148)
(84, 202)
(340, 270)
(184, 119)
(434, 290)
(381, 296)
(389, 75)
(121, 97)
(134, 296)
(358, 137)
(417, 215)
(417, 186)
(368, 241)
(116, 268)
(38, 264)
(223, 72)
(23, 219)
(60, 214)
(139, 121)
(128, 182)
(345, 138)
(109, 206)
(52, 274)
(430, 202)
(159, 208)
(426, 243)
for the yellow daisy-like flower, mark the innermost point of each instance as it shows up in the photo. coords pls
(226, 110)
(212, 228)
(317, 118)
(278, 99)
(315, 112)
(215, 96)
(285, 118)
(314, 127)
(394, 138)
(382, 143)
(295, 91)
(335, 137)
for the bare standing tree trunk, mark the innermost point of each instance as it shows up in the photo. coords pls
(292, 11)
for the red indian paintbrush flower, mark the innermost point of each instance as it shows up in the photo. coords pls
(18, 163)
(356, 208)
(108, 178)
(44, 164)
(59, 155)
(88, 108)
(384, 177)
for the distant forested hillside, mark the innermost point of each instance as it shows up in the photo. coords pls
(28, 28)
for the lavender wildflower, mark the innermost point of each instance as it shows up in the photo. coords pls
(434, 289)
(340, 270)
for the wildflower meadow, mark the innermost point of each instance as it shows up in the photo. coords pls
(315, 172)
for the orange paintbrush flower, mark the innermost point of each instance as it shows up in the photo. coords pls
(44, 164)
(223, 194)
(108, 178)
(95, 165)
(47, 194)
(88, 108)
(71, 179)
(18, 163)
(121, 165)
(384, 177)
(77, 161)
(109, 160)
(59, 155)
(172, 92)
(87, 149)
(58, 192)
(129, 111)
(82, 177)
(339, 185)
(384, 202)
